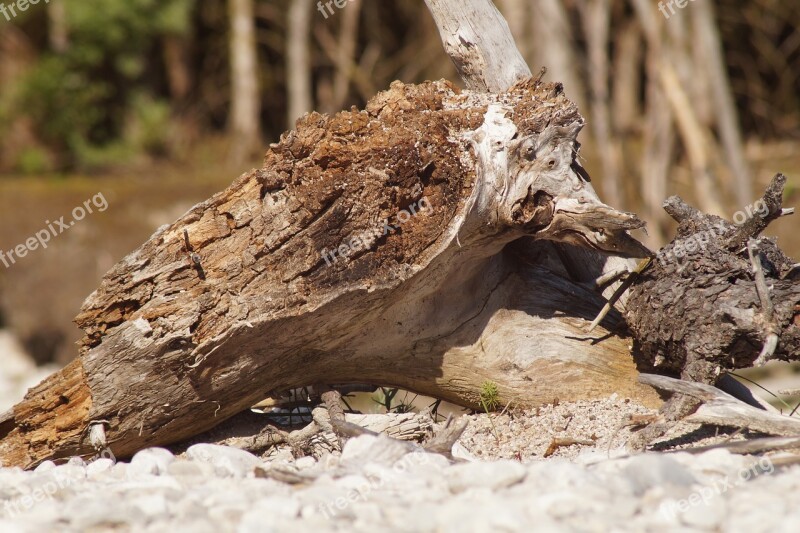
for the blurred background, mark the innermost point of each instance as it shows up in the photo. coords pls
(157, 104)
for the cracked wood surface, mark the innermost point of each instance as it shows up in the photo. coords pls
(175, 345)
(182, 335)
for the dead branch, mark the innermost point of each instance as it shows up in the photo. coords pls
(721, 409)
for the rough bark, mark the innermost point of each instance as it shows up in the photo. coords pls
(697, 312)
(442, 207)
(181, 336)
(713, 300)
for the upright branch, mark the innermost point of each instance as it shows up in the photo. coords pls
(476, 37)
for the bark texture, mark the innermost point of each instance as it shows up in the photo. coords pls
(435, 201)
(697, 311)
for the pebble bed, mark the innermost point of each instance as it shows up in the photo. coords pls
(213, 488)
(501, 482)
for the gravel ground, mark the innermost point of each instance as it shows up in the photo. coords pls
(507, 476)
(376, 484)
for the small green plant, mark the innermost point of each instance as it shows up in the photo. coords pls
(490, 397)
(490, 401)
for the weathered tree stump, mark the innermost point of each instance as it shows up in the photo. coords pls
(716, 299)
(379, 246)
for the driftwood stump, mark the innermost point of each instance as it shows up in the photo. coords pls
(716, 299)
(395, 245)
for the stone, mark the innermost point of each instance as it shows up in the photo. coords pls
(495, 475)
(491, 515)
(707, 514)
(91, 513)
(304, 463)
(98, 467)
(45, 466)
(652, 470)
(226, 460)
(357, 446)
(150, 461)
(71, 472)
(76, 461)
(152, 505)
(277, 507)
(182, 468)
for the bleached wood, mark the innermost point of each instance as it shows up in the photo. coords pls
(477, 39)
(722, 409)
(180, 338)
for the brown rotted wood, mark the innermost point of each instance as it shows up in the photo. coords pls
(240, 297)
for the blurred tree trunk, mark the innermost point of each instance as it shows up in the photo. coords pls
(707, 39)
(346, 51)
(176, 62)
(553, 47)
(697, 140)
(298, 60)
(58, 30)
(657, 153)
(245, 104)
(627, 85)
(176, 53)
(596, 21)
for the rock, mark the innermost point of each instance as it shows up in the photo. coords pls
(153, 505)
(181, 468)
(756, 509)
(370, 449)
(276, 507)
(98, 467)
(76, 461)
(652, 470)
(150, 461)
(227, 461)
(45, 466)
(495, 475)
(460, 452)
(708, 514)
(479, 516)
(69, 472)
(304, 463)
(86, 513)
(118, 471)
(10, 526)
(357, 446)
